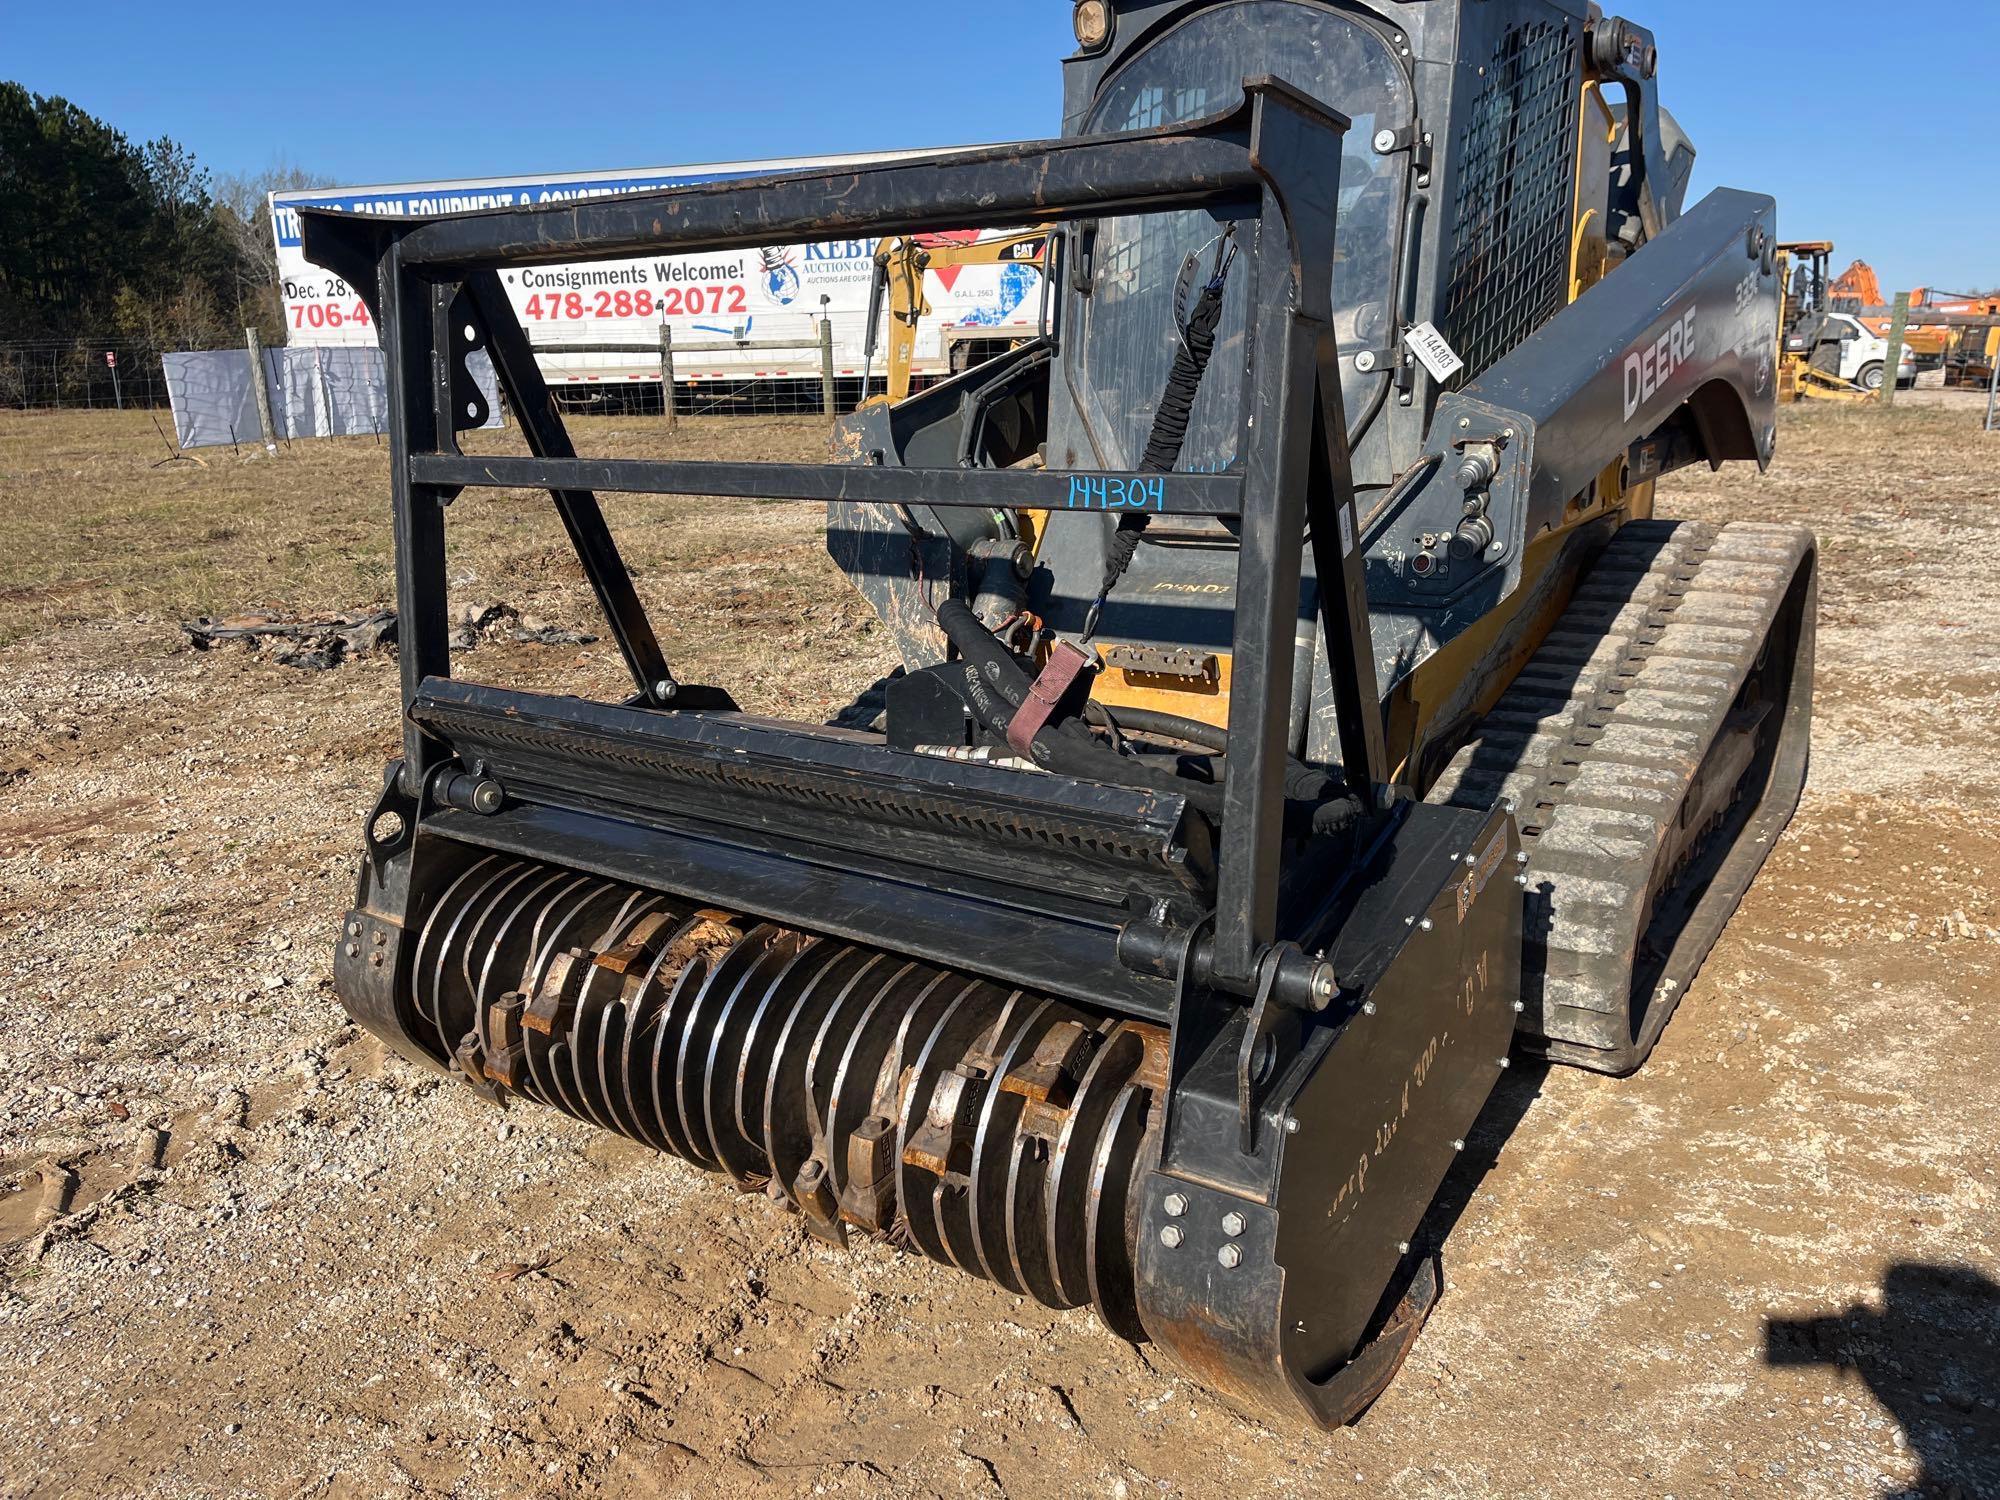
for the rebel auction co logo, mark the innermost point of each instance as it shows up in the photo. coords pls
(780, 276)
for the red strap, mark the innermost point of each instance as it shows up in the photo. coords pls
(1062, 668)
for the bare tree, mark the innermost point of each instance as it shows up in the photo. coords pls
(244, 207)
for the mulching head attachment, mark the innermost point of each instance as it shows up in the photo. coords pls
(992, 1129)
(1236, 1180)
(1163, 1019)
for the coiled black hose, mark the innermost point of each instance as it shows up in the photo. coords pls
(1170, 423)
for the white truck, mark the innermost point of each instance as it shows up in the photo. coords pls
(1864, 354)
(746, 299)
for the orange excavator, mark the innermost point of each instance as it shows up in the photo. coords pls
(1969, 354)
(1858, 291)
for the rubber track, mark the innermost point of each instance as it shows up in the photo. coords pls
(1597, 744)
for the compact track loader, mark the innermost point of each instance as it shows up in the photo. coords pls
(1302, 709)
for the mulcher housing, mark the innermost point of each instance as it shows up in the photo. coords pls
(1189, 1034)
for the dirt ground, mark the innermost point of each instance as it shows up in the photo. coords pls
(243, 1252)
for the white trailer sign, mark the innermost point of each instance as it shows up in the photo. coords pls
(778, 292)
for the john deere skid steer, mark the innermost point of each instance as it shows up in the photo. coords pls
(1301, 707)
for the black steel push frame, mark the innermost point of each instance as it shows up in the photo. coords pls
(1271, 165)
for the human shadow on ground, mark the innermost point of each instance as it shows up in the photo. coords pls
(1931, 1356)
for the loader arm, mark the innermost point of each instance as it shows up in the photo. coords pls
(1668, 361)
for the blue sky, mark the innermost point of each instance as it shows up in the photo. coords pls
(371, 93)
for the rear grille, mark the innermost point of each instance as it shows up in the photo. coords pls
(1512, 214)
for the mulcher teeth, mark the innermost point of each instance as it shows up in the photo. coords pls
(994, 1130)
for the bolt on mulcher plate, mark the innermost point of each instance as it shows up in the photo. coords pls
(1300, 705)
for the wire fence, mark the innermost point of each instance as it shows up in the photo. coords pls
(81, 373)
(74, 374)
(678, 377)
(747, 397)
(782, 397)
(792, 379)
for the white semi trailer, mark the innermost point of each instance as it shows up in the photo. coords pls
(749, 300)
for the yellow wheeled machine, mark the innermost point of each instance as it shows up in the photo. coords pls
(1808, 350)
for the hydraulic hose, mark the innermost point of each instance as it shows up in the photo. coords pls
(1307, 791)
(1174, 726)
(994, 685)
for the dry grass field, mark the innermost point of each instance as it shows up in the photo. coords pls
(244, 1252)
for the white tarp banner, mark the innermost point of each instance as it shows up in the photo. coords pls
(314, 392)
(211, 397)
(772, 299)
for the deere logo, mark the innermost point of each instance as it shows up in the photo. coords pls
(1650, 367)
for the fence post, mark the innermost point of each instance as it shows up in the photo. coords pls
(325, 396)
(1993, 396)
(262, 391)
(826, 366)
(1898, 326)
(667, 373)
